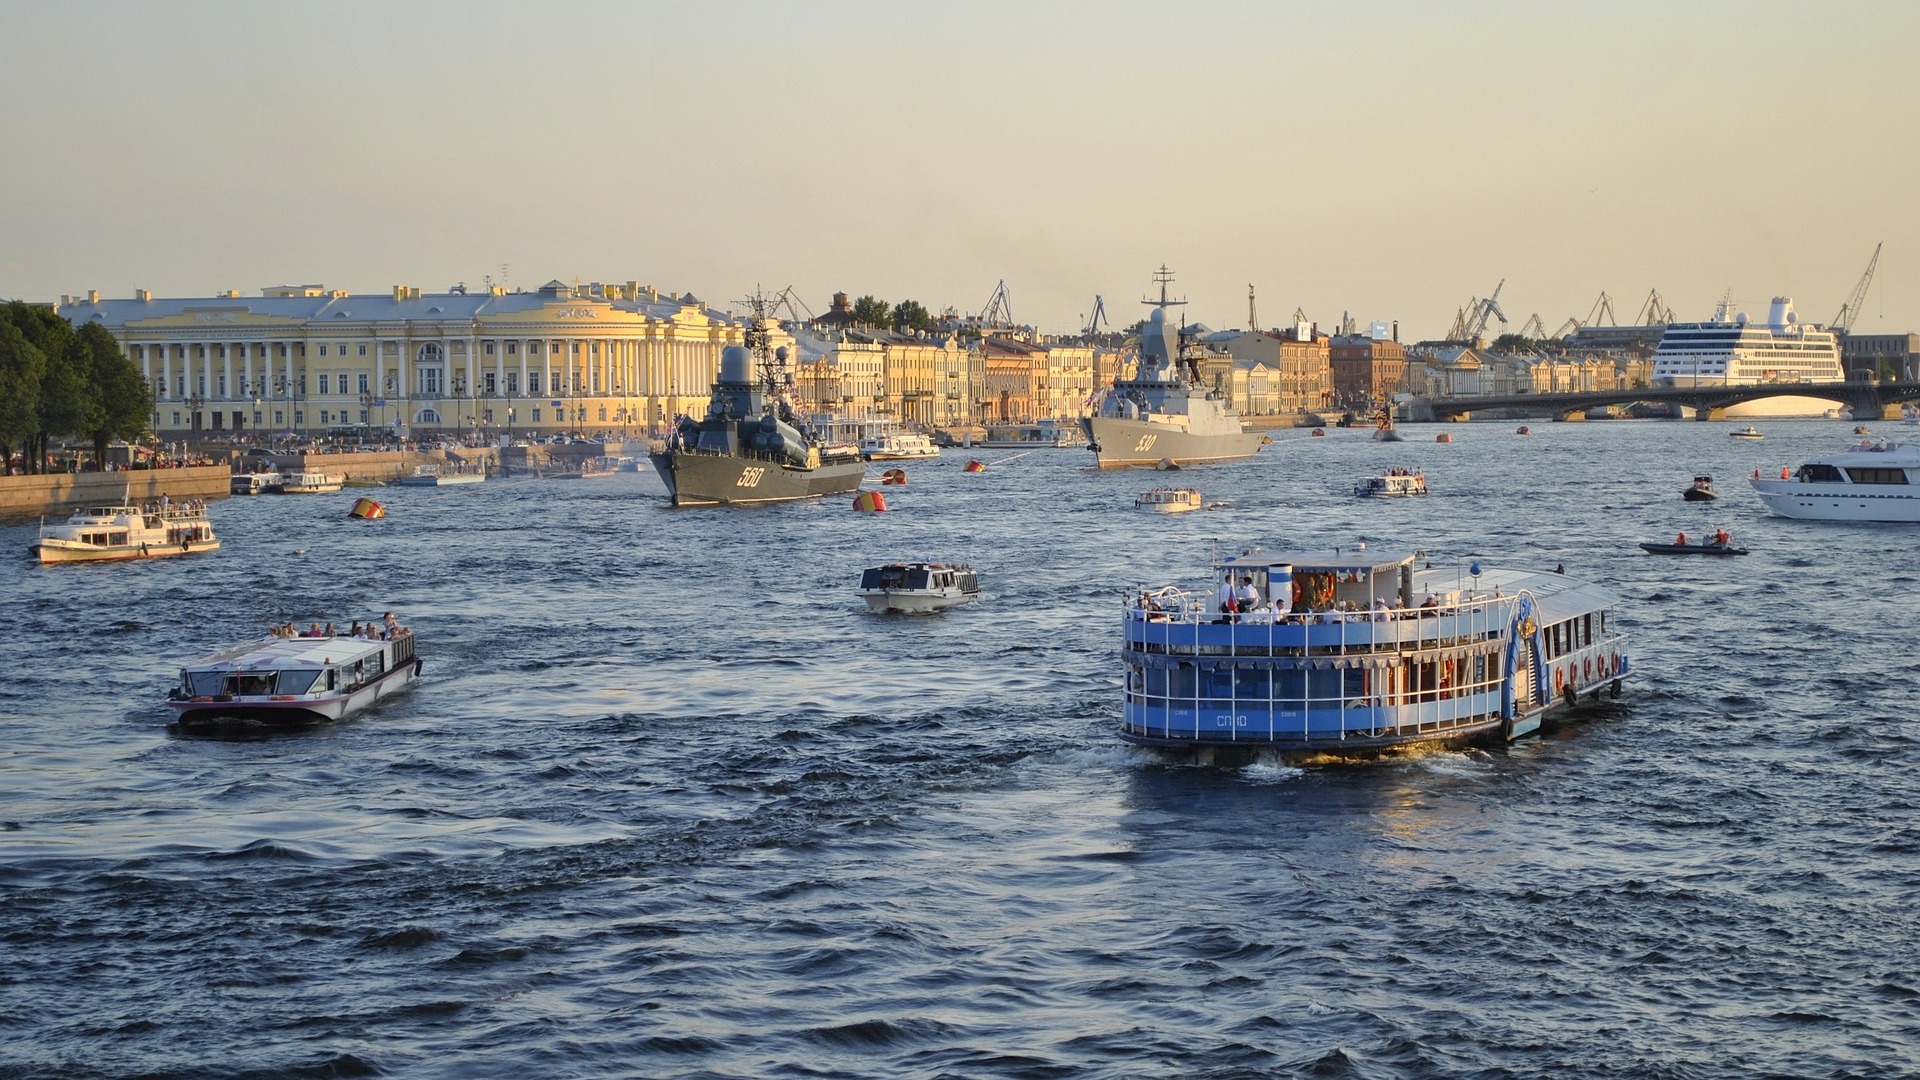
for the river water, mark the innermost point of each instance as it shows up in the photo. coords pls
(668, 802)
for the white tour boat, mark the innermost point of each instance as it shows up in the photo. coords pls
(1869, 482)
(918, 587)
(291, 681)
(1727, 350)
(107, 533)
(442, 476)
(1748, 432)
(1361, 651)
(1169, 500)
(254, 483)
(311, 483)
(892, 444)
(1393, 483)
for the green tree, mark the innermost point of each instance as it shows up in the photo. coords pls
(119, 391)
(870, 311)
(66, 405)
(22, 367)
(909, 315)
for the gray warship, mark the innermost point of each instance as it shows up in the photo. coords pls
(748, 449)
(1164, 414)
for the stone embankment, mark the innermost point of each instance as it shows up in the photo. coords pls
(62, 493)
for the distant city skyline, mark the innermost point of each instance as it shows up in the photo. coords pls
(1390, 161)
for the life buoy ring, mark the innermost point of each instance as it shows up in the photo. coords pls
(1613, 664)
(1589, 669)
(1559, 680)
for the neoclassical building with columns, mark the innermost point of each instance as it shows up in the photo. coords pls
(623, 358)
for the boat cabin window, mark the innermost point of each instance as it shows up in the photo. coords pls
(253, 683)
(297, 682)
(206, 683)
(333, 678)
(1820, 474)
(1878, 476)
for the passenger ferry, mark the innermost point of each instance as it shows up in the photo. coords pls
(891, 444)
(1727, 350)
(254, 483)
(1869, 482)
(108, 533)
(1363, 651)
(1392, 484)
(918, 587)
(1037, 435)
(442, 476)
(1169, 500)
(312, 483)
(288, 681)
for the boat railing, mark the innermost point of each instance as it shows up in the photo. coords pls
(1170, 620)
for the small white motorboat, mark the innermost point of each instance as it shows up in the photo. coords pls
(918, 587)
(312, 483)
(1748, 432)
(1169, 500)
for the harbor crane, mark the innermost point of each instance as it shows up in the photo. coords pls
(1471, 322)
(1533, 329)
(1602, 308)
(1099, 316)
(1654, 312)
(1571, 326)
(1850, 310)
(999, 309)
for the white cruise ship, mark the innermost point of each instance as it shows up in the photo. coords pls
(1730, 351)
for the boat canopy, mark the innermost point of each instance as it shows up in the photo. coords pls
(1338, 561)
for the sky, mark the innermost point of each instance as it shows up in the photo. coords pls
(1386, 160)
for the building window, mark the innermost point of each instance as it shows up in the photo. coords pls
(363, 382)
(323, 416)
(279, 418)
(488, 349)
(513, 383)
(513, 348)
(603, 414)
(323, 378)
(363, 350)
(363, 416)
(536, 415)
(487, 381)
(299, 417)
(486, 416)
(256, 419)
(533, 382)
(176, 419)
(323, 350)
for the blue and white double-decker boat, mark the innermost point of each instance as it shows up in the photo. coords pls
(1356, 651)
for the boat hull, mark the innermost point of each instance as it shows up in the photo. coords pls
(195, 715)
(49, 551)
(1692, 549)
(914, 603)
(695, 479)
(1839, 502)
(1120, 443)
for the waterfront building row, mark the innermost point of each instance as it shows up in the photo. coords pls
(307, 359)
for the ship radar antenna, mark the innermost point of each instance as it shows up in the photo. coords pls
(1164, 276)
(758, 339)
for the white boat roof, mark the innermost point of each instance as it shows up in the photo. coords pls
(1882, 455)
(1340, 560)
(281, 654)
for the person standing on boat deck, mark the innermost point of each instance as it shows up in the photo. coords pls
(393, 626)
(1246, 596)
(1680, 539)
(1229, 596)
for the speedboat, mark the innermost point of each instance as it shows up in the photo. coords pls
(290, 681)
(1701, 490)
(1392, 483)
(1352, 652)
(1168, 500)
(110, 533)
(918, 587)
(1748, 432)
(1869, 482)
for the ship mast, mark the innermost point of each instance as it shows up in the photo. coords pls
(759, 342)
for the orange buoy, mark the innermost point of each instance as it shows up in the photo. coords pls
(367, 510)
(1443, 437)
(894, 476)
(974, 466)
(870, 502)
(1319, 433)
(1524, 430)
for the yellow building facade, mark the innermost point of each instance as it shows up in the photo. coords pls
(622, 359)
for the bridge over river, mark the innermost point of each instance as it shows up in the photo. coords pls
(1863, 400)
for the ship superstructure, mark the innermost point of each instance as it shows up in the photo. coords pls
(1729, 350)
